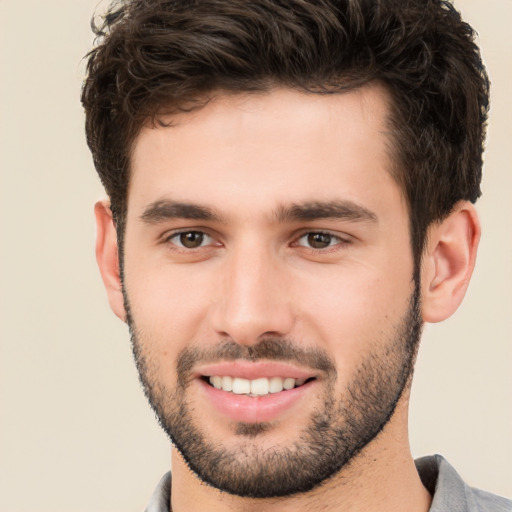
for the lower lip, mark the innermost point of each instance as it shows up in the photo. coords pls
(256, 409)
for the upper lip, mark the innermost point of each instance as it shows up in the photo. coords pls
(254, 370)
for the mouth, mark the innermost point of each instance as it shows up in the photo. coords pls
(255, 387)
(255, 392)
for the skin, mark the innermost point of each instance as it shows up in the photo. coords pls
(248, 158)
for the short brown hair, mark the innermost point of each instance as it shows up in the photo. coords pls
(170, 54)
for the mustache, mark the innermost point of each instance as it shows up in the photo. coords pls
(267, 349)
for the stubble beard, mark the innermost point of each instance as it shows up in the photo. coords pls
(336, 433)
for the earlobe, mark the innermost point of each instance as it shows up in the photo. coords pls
(448, 262)
(107, 257)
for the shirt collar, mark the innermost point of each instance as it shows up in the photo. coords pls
(448, 490)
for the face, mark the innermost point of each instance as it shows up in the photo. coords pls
(268, 283)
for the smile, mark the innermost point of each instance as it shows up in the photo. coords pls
(255, 391)
(255, 387)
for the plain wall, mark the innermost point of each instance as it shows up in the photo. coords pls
(75, 431)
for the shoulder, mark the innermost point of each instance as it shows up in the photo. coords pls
(483, 501)
(451, 494)
(161, 497)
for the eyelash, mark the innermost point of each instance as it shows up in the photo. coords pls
(339, 242)
(173, 237)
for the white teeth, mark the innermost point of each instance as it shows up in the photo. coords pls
(216, 382)
(275, 385)
(289, 383)
(256, 387)
(241, 386)
(227, 383)
(259, 386)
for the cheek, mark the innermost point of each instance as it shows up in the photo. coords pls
(355, 311)
(168, 304)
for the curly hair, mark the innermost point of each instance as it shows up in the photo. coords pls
(169, 55)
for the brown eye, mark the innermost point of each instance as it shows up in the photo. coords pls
(319, 240)
(190, 239)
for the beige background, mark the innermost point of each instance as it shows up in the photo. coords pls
(75, 431)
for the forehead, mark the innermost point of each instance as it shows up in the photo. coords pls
(282, 146)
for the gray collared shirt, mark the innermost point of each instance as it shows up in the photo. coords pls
(450, 493)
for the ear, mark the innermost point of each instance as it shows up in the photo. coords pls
(107, 257)
(448, 262)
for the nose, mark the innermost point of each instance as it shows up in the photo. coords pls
(253, 300)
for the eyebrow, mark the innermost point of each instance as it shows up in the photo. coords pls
(163, 210)
(315, 210)
(160, 211)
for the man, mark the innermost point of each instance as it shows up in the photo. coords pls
(291, 188)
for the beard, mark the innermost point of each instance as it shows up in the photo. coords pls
(346, 422)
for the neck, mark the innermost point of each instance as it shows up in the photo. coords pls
(381, 478)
